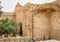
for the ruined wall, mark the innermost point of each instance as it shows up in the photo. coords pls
(27, 19)
(41, 21)
(41, 26)
(27, 25)
(55, 25)
(10, 16)
(19, 17)
(57, 1)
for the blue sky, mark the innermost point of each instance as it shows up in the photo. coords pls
(9, 5)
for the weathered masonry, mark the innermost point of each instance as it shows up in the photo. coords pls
(41, 20)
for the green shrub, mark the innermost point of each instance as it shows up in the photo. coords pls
(8, 27)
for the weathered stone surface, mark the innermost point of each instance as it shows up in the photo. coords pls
(40, 20)
(49, 41)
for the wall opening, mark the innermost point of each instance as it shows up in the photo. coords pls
(21, 31)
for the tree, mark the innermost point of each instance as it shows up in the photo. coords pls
(8, 26)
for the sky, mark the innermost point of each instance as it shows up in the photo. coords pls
(9, 5)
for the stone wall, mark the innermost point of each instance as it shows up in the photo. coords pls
(41, 26)
(10, 16)
(55, 25)
(41, 21)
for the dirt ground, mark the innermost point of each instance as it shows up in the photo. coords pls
(49, 41)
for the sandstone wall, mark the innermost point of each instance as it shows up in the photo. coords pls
(41, 21)
(19, 17)
(41, 26)
(55, 25)
(10, 16)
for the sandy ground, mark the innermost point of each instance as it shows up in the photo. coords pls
(49, 41)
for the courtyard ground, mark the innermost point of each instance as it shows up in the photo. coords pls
(49, 41)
